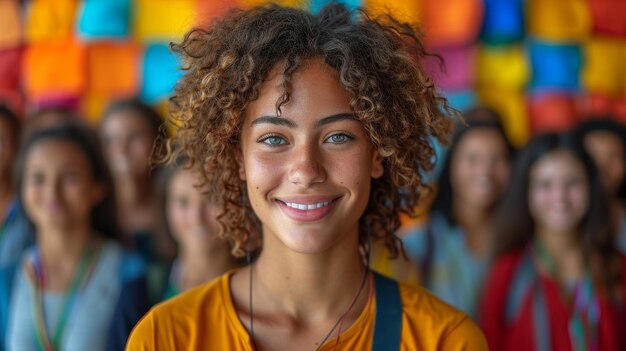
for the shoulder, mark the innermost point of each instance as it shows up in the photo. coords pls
(433, 324)
(131, 265)
(176, 321)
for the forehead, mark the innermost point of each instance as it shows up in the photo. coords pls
(560, 163)
(482, 138)
(125, 120)
(604, 139)
(314, 92)
(52, 152)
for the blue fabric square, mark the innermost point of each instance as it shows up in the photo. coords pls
(555, 66)
(161, 71)
(503, 21)
(104, 19)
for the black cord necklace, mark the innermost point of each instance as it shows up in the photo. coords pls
(249, 260)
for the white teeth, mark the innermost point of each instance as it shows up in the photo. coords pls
(307, 207)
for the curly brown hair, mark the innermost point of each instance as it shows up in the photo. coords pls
(378, 62)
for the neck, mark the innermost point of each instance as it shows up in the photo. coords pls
(199, 267)
(308, 286)
(565, 252)
(60, 251)
(476, 224)
(132, 192)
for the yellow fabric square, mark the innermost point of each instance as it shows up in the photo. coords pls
(511, 105)
(604, 69)
(50, 19)
(502, 66)
(407, 11)
(559, 20)
(163, 20)
(92, 107)
(56, 68)
(113, 68)
(10, 24)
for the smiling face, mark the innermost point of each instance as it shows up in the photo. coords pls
(58, 187)
(307, 171)
(192, 218)
(558, 195)
(480, 168)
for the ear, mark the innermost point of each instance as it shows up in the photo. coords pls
(240, 165)
(377, 165)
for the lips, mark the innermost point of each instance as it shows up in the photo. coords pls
(308, 209)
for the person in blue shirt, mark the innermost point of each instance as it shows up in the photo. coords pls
(76, 288)
(452, 248)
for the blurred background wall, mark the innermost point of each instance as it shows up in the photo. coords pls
(543, 64)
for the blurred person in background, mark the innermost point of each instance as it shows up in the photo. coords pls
(16, 233)
(605, 141)
(128, 130)
(453, 248)
(191, 219)
(558, 281)
(76, 289)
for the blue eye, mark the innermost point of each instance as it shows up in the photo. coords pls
(273, 140)
(339, 138)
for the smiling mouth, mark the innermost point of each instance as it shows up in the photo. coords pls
(307, 212)
(308, 206)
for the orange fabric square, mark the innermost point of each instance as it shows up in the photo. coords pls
(10, 24)
(113, 68)
(290, 3)
(50, 19)
(54, 69)
(452, 22)
(207, 10)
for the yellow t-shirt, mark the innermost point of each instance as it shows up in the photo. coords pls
(204, 318)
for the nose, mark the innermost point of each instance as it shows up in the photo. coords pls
(306, 167)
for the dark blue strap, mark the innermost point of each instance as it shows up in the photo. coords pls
(388, 325)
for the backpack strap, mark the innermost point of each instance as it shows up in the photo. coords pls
(388, 324)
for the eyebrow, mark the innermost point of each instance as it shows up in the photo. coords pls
(280, 121)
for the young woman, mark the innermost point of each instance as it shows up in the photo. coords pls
(16, 234)
(558, 282)
(311, 131)
(605, 140)
(128, 131)
(191, 219)
(453, 248)
(76, 289)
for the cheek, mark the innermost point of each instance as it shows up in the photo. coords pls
(537, 199)
(580, 198)
(141, 148)
(264, 173)
(177, 220)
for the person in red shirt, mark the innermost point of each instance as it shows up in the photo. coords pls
(558, 282)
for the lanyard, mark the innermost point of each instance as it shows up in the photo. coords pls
(585, 314)
(81, 273)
